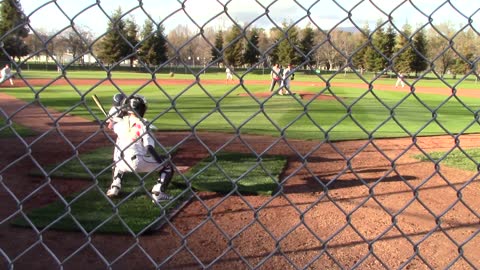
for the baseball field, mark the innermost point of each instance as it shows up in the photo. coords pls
(342, 173)
(347, 109)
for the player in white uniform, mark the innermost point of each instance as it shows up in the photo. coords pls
(229, 74)
(137, 152)
(288, 75)
(6, 74)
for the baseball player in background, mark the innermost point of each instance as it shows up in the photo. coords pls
(229, 74)
(400, 80)
(288, 75)
(6, 74)
(276, 76)
(137, 152)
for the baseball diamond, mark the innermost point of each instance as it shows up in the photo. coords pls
(221, 135)
(233, 214)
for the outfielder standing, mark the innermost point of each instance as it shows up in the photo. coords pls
(229, 74)
(137, 150)
(400, 80)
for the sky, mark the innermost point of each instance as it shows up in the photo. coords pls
(55, 15)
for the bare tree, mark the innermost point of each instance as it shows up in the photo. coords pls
(184, 44)
(345, 42)
(52, 45)
(206, 44)
(60, 48)
(441, 53)
(36, 42)
(77, 41)
(328, 53)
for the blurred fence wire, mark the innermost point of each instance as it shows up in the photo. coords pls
(331, 208)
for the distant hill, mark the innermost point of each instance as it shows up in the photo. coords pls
(351, 29)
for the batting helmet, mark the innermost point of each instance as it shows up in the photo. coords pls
(136, 104)
(118, 99)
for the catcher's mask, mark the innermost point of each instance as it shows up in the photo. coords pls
(118, 99)
(136, 104)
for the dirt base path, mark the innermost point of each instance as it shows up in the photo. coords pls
(333, 203)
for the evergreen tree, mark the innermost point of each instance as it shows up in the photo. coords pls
(362, 44)
(404, 60)
(233, 53)
(146, 42)
(131, 31)
(306, 45)
(251, 51)
(217, 50)
(14, 22)
(420, 62)
(160, 45)
(286, 49)
(376, 54)
(275, 37)
(390, 42)
(369, 58)
(153, 49)
(113, 46)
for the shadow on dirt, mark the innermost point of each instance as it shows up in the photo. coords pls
(321, 183)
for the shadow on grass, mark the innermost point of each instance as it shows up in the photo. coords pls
(133, 212)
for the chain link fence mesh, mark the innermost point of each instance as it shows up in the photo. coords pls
(324, 214)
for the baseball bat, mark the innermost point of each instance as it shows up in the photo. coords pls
(99, 105)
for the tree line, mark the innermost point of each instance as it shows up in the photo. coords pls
(439, 48)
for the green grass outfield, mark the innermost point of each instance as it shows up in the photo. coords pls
(356, 113)
(263, 74)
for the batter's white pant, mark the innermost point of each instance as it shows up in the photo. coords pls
(117, 153)
(140, 164)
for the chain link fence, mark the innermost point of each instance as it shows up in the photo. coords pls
(385, 200)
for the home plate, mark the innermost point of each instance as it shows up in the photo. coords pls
(182, 168)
